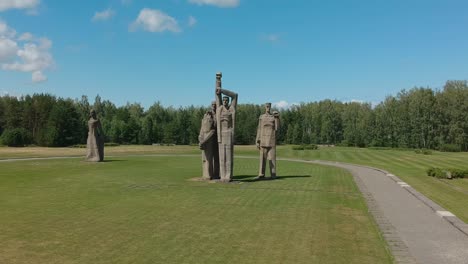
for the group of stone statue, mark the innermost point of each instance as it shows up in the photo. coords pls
(216, 139)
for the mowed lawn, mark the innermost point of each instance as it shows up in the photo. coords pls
(147, 210)
(408, 165)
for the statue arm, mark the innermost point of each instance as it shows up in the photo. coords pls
(233, 96)
(207, 137)
(257, 140)
(277, 120)
(277, 124)
(200, 136)
(218, 98)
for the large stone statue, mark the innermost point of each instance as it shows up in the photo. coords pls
(208, 142)
(225, 121)
(95, 143)
(268, 124)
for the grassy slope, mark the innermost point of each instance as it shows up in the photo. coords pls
(409, 166)
(144, 210)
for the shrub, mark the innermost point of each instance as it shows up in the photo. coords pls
(305, 147)
(78, 146)
(109, 144)
(344, 143)
(436, 172)
(450, 148)
(390, 148)
(423, 151)
(447, 173)
(458, 173)
(16, 137)
(310, 146)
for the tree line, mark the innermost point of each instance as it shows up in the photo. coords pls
(415, 118)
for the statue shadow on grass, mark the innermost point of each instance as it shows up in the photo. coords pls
(112, 160)
(254, 178)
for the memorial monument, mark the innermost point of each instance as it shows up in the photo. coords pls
(225, 124)
(268, 125)
(208, 142)
(95, 142)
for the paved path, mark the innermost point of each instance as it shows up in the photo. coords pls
(417, 229)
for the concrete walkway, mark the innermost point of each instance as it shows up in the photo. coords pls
(416, 229)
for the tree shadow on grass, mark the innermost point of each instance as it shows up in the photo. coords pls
(254, 178)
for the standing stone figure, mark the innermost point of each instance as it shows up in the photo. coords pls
(268, 124)
(225, 121)
(208, 142)
(95, 143)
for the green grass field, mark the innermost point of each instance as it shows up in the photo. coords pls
(147, 210)
(409, 166)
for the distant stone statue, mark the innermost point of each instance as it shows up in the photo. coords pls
(268, 125)
(208, 142)
(225, 121)
(95, 142)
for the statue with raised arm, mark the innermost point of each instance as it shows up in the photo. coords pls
(95, 142)
(225, 119)
(268, 125)
(208, 142)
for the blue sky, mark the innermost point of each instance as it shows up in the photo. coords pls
(169, 50)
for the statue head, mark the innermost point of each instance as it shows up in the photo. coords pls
(219, 75)
(226, 101)
(213, 106)
(268, 107)
(92, 113)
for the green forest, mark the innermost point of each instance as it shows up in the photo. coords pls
(415, 118)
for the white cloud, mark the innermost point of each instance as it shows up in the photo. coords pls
(154, 20)
(8, 49)
(25, 36)
(31, 58)
(192, 21)
(103, 15)
(218, 3)
(18, 4)
(45, 43)
(25, 53)
(283, 105)
(38, 77)
(6, 31)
